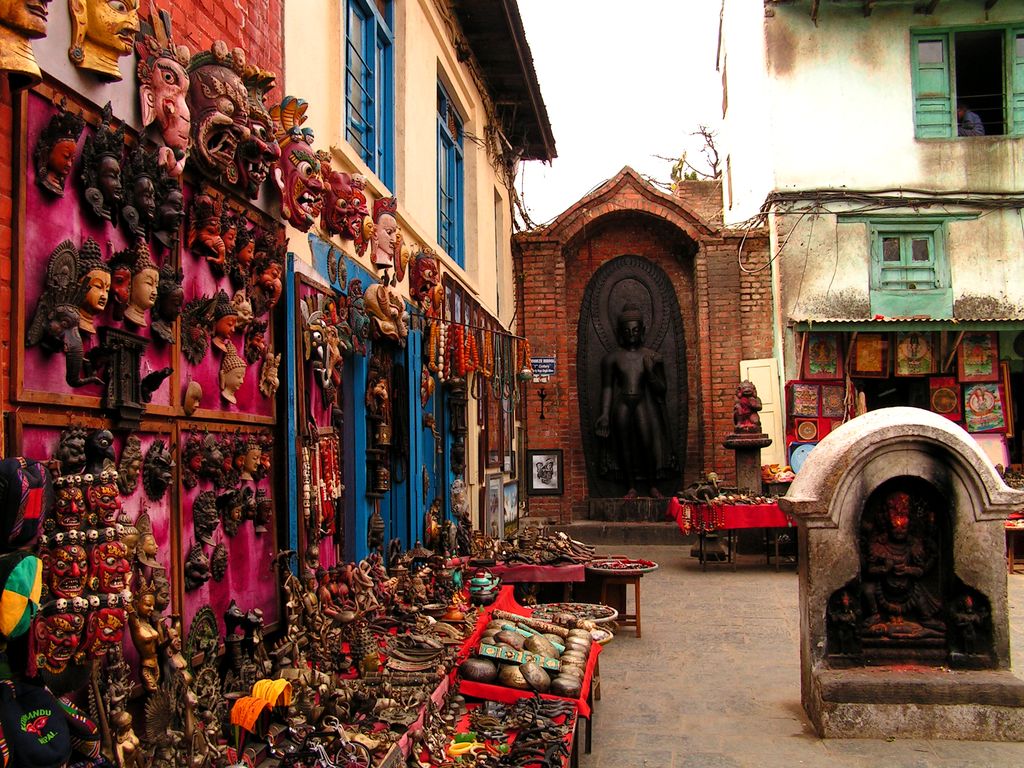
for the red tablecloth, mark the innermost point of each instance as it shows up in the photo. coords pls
(691, 517)
(517, 574)
(506, 602)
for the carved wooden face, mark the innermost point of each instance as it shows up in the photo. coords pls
(385, 240)
(109, 567)
(163, 101)
(105, 629)
(220, 120)
(105, 502)
(60, 162)
(97, 285)
(111, 25)
(143, 193)
(70, 507)
(257, 153)
(67, 570)
(27, 17)
(108, 181)
(337, 202)
(170, 211)
(302, 190)
(144, 288)
(57, 637)
(423, 276)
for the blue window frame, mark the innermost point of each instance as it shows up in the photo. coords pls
(450, 182)
(370, 85)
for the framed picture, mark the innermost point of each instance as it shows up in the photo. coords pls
(807, 429)
(511, 507)
(870, 358)
(1004, 370)
(494, 525)
(915, 353)
(944, 397)
(978, 357)
(495, 451)
(544, 472)
(983, 408)
(822, 359)
(833, 401)
(804, 399)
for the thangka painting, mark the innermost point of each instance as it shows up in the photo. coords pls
(823, 359)
(983, 408)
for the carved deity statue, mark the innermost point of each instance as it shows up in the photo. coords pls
(899, 554)
(20, 22)
(101, 33)
(745, 416)
(632, 417)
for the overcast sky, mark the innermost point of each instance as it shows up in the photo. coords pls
(622, 84)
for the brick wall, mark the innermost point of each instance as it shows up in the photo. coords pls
(554, 265)
(255, 26)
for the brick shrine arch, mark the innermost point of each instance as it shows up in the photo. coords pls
(680, 236)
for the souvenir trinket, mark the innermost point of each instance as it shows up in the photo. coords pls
(196, 323)
(197, 568)
(108, 565)
(268, 374)
(139, 184)
(225, 318)
(55, 324)
(129, 466)
(157, 470)
(104, 627)
(163, 87)
(66, 564)
(297, 172)
(205, 234)
(169, 298)
(241, 259)
(264, 511)
(99, 450)
(144, 285)
(57, 145)
(385, 240)
(57, 634)
(243, 310)
(205, 517)
(229, 505)
(192, 398)
(70, 453)
(219, 106)
(219, 562)
(21, 22)
(101, 33)
(170, 210)
(101, 168)
(103, 500)
(94, 275)
(69, 508)
(344, 208)
(424, 277)
(268, 269)
(232, 373)
(148, 635)
(386, 310)
(259, 150)
(255, 341)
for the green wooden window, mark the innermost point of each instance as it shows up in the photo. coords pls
(909, 270)
(981, 66)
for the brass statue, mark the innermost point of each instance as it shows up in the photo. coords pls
(101, 33)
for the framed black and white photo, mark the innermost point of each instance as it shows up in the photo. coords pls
(544, 472)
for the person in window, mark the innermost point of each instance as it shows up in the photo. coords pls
(969, 122)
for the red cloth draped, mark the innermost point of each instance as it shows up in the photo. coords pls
(523, 572)
(712, 517)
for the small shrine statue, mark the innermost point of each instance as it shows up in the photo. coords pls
(745, 417)
(21, 22)
(897, 558)
(101, 168)
(127, 748)
(163, 87)
(101, 33)
(269, 381)
(57, 145)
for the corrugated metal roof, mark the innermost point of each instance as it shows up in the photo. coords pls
(1015, 322)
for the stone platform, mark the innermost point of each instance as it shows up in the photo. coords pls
(917, 703)
(618, 510)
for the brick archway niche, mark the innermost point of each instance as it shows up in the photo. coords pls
(901, 521)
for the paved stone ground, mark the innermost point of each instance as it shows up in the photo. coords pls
(715, 680)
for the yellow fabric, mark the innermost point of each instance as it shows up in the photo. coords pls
(277, 693)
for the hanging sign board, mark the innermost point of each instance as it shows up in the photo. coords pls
(543, 368)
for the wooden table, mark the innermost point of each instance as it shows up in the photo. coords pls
(707, 518)
(1014, 530)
